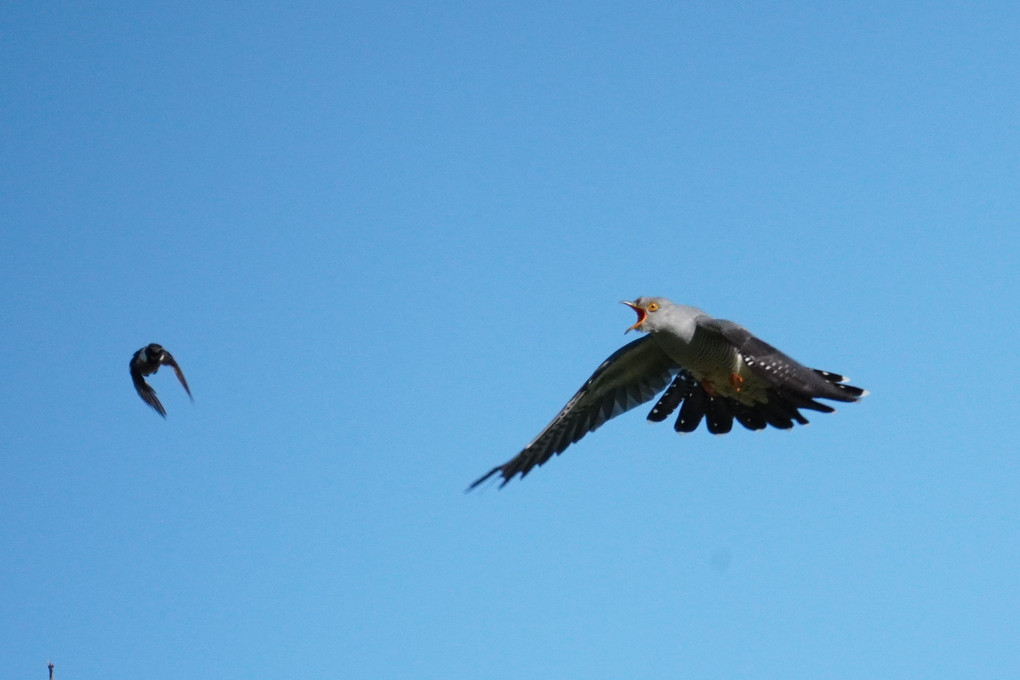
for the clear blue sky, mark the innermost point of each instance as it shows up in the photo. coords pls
(386, 243)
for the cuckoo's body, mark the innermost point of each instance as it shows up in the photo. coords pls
(713, 370)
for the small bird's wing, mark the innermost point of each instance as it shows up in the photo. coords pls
(169, 361)
(145, 391)
(780, 371)
(631, 376)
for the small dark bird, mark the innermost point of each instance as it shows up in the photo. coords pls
(147, 361)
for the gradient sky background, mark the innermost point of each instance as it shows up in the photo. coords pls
(386, 243)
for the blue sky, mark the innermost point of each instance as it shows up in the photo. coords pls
(386, 243)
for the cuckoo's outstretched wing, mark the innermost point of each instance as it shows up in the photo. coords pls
(631, 376)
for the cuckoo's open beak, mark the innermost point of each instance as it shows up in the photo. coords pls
(641, 315)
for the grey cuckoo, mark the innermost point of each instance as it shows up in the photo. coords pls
(713, 370)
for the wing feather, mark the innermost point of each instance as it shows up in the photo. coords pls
(691, 411)
(146, 392)
(672, 397)
(718, 416)
(169, 361)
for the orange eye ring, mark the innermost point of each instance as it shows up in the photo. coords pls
(653, 306)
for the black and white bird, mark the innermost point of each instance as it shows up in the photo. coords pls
(713, 370)
(147, 361)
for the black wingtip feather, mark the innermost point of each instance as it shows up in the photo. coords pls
(846, 392)
(671, 398)
(691, 412)
(718, 416)
(484, 477)
(749, 417)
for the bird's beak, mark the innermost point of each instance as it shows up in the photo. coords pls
(641, 315)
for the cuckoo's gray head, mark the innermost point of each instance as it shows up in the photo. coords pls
(658, 314)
